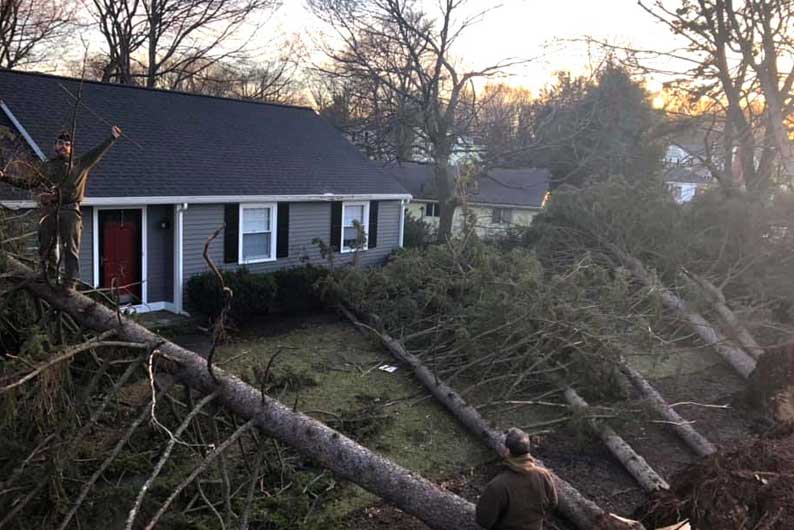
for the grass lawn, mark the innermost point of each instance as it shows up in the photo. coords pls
(332, 372)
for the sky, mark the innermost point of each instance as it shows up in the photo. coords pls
(540, 30)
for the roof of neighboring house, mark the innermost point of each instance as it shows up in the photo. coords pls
(193, 145)
(524, 187)
(686, 174)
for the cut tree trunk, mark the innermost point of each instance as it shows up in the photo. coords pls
(411, 493)
(717, 300)
(635, 464)
(574, 506)
(740, 361)
(694, 440)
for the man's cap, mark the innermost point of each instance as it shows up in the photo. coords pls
(517, 441)
(65, 136)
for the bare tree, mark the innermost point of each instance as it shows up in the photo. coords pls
(29, 29)
(397, 45)
(124, 34)
(153, 40)
(734, 50)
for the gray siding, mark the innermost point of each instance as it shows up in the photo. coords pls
(308, 220)
(86, 241)
(87, 246)
(160, 254)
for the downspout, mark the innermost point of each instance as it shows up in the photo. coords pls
(178, 257)
(402, 222)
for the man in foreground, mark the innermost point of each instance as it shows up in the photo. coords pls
(519, 497)
(62, 181)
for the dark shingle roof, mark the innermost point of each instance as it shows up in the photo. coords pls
(525, 187)
(194, 145)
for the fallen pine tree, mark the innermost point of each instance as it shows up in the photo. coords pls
(413, 494)
(573, 505)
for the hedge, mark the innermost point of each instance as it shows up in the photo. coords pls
(289, 291)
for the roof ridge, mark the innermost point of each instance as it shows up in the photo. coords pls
(163, 90)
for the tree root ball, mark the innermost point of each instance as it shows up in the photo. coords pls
(748, 488)
(771, 387)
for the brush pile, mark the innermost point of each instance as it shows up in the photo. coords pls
(747, 488)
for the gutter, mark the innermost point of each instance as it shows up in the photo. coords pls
(220, 199)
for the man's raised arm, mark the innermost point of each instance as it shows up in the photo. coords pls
(89, 160)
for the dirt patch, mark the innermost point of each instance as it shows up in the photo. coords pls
(749, 487)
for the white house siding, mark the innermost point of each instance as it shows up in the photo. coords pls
(484, 215)
(307, 221)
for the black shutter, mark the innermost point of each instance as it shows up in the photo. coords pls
(372, 236)
(336, 226)
(282, 230)
(231, 220)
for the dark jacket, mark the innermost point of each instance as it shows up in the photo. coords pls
(518, 498)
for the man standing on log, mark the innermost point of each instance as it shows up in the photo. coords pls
(62, 180)
(519, 497)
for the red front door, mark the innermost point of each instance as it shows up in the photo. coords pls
(121, 255)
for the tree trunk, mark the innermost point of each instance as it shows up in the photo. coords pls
(446, 191)
(684, 429)
(738, 359)
(436, 507)
(717, 300)
(584, 513)
(635, 464)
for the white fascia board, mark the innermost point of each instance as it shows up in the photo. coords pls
(486, 204)
(28, 138)
(217, 199)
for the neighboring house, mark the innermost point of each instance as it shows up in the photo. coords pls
(500, 199)
(275, 176)
(685, 176)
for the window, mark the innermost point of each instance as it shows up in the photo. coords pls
(502, 216)
(354, 213)
(432, 209)
(257, 233)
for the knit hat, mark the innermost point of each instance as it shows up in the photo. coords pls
(65, 136)
(517, 441)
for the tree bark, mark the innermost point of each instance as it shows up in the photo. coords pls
(635, 464)
(436, 507)
(684, 429)
(574, 506)
(446, 191)
(717, 300)
(738, 359)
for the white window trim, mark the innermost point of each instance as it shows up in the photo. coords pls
(273, 232)
(365, 204)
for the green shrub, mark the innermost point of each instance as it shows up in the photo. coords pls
(298, 289)
(417, 233)
(291, 291)
(253, 294)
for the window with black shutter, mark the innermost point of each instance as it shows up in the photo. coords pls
(372, 235)
(336, 226)
(231, 221)
(282, 230)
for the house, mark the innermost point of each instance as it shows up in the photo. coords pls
(276, 177)
(499, 199)
(684, 173)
